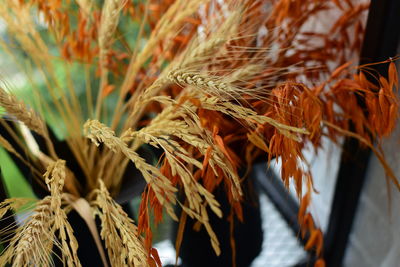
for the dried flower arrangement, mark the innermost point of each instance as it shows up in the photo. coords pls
(205, 81)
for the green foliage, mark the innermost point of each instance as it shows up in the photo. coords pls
(16, 185)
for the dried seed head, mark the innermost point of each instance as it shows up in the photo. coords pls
(33, 242)
(124, 244)
(22, 112)
(98, 132)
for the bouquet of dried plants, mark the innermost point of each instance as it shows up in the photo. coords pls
(213, 84)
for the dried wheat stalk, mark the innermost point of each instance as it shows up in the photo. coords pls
(206, 83)
(16, 14)
(179, 160)
(33, 242)
(168, 25)
(184, 124)
(194, 191)
(194, 57)
(124, 244)
(85, 5)
(249, 116)
(221, 93)
(14, 204)
(98, 132)
(22, 112)
(109, 22)
(182, 121)
(8, 207)
(55, 177)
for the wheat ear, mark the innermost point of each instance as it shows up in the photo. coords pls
(109, 22)
(179, 160)
(24, 114)
(199, 52)
(85, 6)
(193, 57)
(194, 134)
(124, 245)
(98, 132)
(33, 242)
(55, 177)
(205, 83)
(167, 25)
(249, 116)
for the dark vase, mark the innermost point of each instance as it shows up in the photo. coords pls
(196, 249)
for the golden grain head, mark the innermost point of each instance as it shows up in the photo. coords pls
(124, 245)
(33, 242)
(21, 112)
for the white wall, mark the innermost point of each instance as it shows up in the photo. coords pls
(375, 239)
